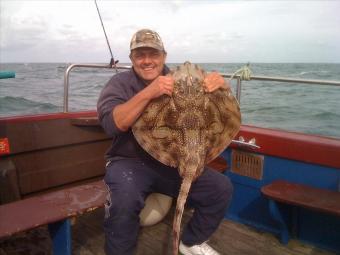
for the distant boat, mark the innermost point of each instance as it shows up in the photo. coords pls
(7, 74)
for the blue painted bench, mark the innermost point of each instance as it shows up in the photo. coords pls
(299, 195)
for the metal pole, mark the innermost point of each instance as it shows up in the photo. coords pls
(292, 80)
(67, 74)
(238, 90)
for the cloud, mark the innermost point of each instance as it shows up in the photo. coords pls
(205, 31)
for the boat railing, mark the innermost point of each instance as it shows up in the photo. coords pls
(67, 76)
(237, 77)
(241, 142)
(278, 79)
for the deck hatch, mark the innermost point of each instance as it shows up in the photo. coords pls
(247, 164)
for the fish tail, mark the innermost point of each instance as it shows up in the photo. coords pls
(182, 197)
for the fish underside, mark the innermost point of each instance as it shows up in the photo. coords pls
(188, 130)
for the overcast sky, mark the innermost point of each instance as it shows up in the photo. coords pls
(199, 31)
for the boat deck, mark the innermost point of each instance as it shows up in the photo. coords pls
(88, 239)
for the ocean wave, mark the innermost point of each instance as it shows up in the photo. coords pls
(326, 116)
(315, 74)
(12, 105)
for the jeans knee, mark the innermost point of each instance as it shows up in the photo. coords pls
(123, 202)
(224, 189)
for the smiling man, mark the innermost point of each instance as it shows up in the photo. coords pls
(132, 174)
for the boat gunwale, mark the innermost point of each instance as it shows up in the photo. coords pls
(309, 148)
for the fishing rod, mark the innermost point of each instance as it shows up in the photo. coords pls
(112, 61)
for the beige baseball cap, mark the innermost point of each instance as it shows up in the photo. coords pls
(146, 38)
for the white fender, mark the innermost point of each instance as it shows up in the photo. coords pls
(156, 207)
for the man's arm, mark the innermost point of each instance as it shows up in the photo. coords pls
(127, 113)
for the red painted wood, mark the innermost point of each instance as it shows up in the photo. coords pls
(295, 146)
(49, 116)
(290, 145)
(305, 196)
(40, 210)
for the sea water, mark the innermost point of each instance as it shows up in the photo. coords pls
(314, 109)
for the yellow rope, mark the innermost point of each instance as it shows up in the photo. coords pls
(244, 73)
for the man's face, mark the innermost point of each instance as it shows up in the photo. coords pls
(148, 63)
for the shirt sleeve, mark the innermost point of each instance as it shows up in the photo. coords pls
(118, 90)
(112, 95)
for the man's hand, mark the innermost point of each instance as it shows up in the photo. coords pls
(214, 81)
(160, 86)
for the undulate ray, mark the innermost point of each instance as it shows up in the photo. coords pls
(188, 129)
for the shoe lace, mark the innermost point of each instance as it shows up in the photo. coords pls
(208, 250)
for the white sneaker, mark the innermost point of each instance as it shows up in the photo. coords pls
(201, 249)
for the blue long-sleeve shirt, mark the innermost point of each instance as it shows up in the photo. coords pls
(120, 88)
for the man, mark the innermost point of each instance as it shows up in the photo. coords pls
(131, 174)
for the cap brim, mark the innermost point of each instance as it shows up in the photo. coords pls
(147, 45)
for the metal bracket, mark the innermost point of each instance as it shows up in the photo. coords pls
(251, 143)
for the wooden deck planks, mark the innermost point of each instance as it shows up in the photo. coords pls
(88, 239)
(231, 238)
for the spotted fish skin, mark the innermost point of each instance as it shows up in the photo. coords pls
(188, 129)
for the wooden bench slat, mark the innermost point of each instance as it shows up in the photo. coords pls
(52, 207)
(303, 195)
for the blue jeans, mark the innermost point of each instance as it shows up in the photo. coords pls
(130, 181)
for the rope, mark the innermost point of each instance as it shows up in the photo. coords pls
(112, 61)
(244, 73)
